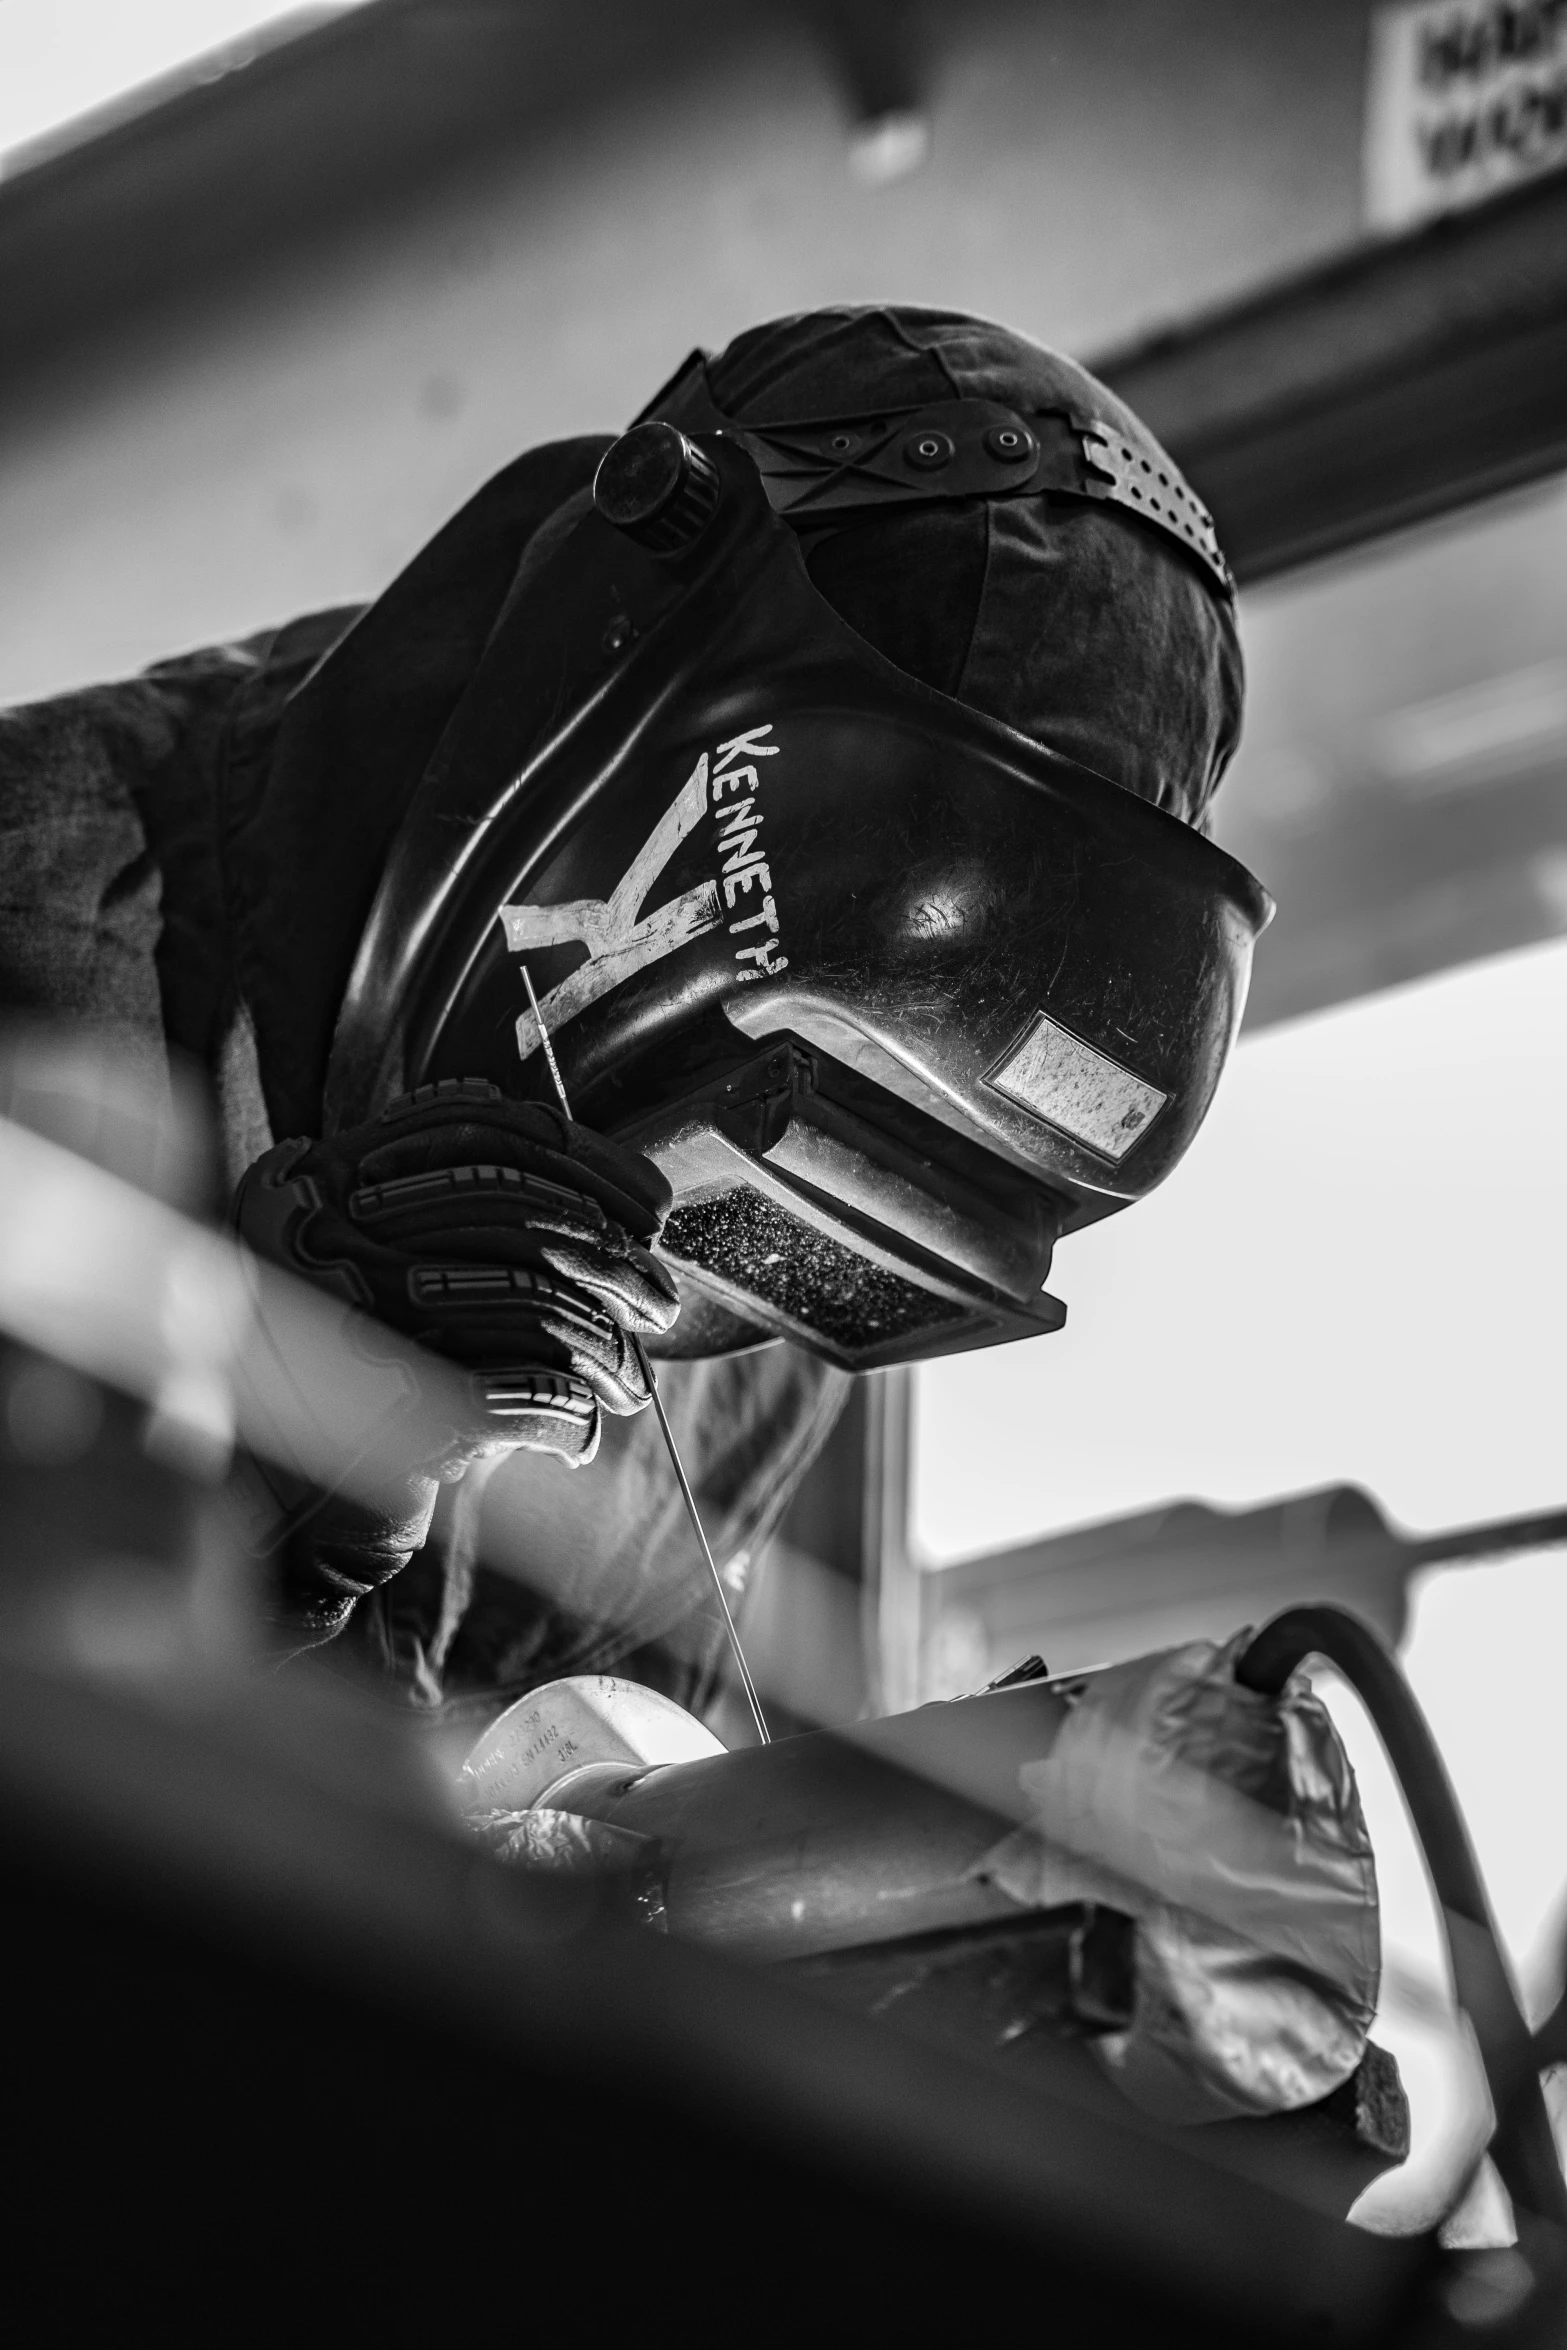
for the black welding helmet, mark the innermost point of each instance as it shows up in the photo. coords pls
(893, 994)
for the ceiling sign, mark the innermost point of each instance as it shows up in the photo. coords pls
(1466, 98)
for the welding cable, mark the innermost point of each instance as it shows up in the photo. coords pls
(1522, 2145)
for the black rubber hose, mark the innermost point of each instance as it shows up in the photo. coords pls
(1523, 2147)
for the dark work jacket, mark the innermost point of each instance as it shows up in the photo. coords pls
(187, 861)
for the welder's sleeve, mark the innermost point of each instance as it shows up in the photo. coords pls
(114, 915)
(537, 1574)
(99, 789)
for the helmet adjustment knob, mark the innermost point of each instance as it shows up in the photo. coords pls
(658, 488)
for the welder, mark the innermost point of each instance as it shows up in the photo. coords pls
(257, 858)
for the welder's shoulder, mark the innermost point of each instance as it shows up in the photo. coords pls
(93, 750)
(95, 786)
(201, 694)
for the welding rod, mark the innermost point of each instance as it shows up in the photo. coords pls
(681, 1479)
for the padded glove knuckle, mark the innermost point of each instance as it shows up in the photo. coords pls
(495, 1233)
(280, 1213)
(545, 1411)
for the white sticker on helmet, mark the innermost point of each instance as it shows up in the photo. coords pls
(1057, 1078)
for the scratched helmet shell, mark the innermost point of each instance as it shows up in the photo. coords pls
(894, 995)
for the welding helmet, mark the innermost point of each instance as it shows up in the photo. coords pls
(894, 995)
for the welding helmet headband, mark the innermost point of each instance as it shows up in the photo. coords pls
(1000, 525)
(893, 995)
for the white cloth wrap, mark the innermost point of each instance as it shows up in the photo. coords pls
(1229, 1826)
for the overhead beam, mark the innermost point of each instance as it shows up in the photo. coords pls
(1405, 379)
(343, 130)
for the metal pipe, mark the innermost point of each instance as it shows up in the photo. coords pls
(837, 1838)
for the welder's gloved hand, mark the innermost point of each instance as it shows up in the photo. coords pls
(494, 1233)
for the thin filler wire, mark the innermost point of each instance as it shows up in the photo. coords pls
(681, 1479)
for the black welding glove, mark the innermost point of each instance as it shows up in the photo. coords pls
(492, 1232)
